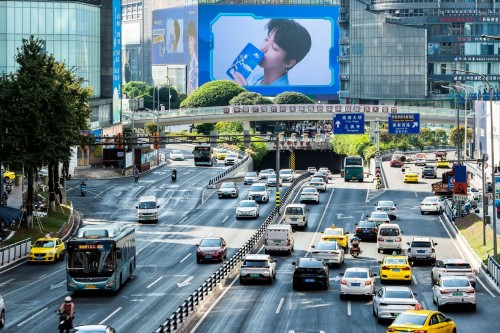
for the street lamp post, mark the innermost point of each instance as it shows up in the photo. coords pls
(467, 117)
(465, 120)
(494, 216)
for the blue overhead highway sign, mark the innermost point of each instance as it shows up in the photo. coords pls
(404, 123)
(349, 123)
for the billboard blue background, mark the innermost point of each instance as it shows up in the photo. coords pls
(225, 30)
(117, 61)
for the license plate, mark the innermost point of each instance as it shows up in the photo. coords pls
(355, 284)
(277, 242)
(309, 280)
(389, 241)
(294, 219)
(208, 257)
(420, 251)
(90, 286)
(39, 258)
(458, 293)
(254, 275)
(396, 270)
(366, 231)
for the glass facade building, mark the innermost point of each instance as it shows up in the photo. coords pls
(71, 30)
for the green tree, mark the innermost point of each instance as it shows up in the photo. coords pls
(150, 128)
(47, 107)
(229, 127)
(214, 93)
(205, 128)
(441, 136)
(292, 97)
(174, 100)
(456, 136)
(136, 89)
(249, 98)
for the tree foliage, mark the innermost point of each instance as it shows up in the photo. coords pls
(456, 137)
(229, 127)
(249, 98)
(214, 93)
(292, 97)
(137, 89)
(205, 128)
(47, 107)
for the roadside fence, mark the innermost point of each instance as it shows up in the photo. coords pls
(228, 170)
(493, 269)
(222, 274)
(13, 252)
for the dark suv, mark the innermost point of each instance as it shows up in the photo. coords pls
(429, 172)
(310, 272)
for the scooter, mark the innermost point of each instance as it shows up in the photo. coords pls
(83, 189)
(174, 177)
(8, 187)
(65, 324)
(355, 251)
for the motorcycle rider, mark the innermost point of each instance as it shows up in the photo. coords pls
(5, 197)
(174, 174)
(67, 308)
(355, 243)
(136, 174)
(83, 187)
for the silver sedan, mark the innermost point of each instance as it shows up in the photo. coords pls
(454, 290)
(390, 301)
(330, 252)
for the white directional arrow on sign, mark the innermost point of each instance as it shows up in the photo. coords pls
(415, 124)
(337, 123)
(185, 282)
(59, 285)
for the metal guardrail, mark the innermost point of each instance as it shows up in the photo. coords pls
(227, 171)
(493, 269)
(13, 252)
(189, 305)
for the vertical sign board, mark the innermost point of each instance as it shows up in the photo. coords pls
(353, 123)
(117, 61)
(460, 185)
(404, 123)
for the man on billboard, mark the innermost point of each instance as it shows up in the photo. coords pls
(286, 44)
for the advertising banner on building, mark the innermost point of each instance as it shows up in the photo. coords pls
(117, 63)
(267, 52)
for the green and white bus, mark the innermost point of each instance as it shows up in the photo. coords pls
(101, 257)
(353, 168)
(203, 155)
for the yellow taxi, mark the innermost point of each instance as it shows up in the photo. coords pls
(428, 321)
(442, 163)
(411, 177)
(336, 234)
(221, 154)
(395, 268)
(9, 176)
(46, 249)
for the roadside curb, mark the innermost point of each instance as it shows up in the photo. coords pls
(464, 244)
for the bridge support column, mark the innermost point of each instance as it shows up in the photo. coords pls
(246, 125)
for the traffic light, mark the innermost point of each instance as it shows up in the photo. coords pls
(119, 143)
(156, 140)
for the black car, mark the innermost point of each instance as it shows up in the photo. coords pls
(429, 172)
(366, 230)
(310, 272)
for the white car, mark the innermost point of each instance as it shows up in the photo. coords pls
(420, 161)
(357, 281)
(389, 302)
(326, 171)
(176, 155)
(258, 192)
(379, 217)
(309, 194)
(453, 290)
(263, 174)
(318, 183)
(312, 170)
(271, 180)
(247, 208)
(453, 267)
(250, 178)
(231, 159)
(287, 175)
(473, 194)
(389, 207)
(421, 249)
(258, 267)
(330, 252)
(432, 204)
(2, 312)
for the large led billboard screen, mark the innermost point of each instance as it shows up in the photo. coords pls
(270, 49)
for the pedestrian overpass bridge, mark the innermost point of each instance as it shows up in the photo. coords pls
(285, 112)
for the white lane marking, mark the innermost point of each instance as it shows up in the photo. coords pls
(34, 282)
(185, 257)
(58, 285)
(414, 279)
(280, 305)
(42, 276)
(416, 196)
(5, 282)
(185, 282)
(212, 306)
(111, 315)
(463, 256)
(320, 222)
(262, 248)
(348, 308)
(225, 219)
(155, 281)
(183, 219)
(32, 317)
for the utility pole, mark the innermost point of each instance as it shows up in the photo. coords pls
(278, 200)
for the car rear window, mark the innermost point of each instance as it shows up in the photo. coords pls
(257, 188)
(395, 261)
(421, 244)
(247, 204)
(210, 243)
(367, 224)
(458, 266)
(354, 274)
(255, 263)
(310, 263)
(309, 190)
(389, 232)
(398, 294)
(409, 319)
(456, 283)
(293, 211)
(379, 216)
(327, 246)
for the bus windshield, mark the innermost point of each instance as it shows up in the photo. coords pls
(203, 155)
(354, 160)
(91, 260)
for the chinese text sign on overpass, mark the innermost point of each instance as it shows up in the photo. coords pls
(349, 123)
(408, 123)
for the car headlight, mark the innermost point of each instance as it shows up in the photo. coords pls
(53, 251)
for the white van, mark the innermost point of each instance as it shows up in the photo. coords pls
(147, 209)
(389, 237)
(279, 238)
(296, 215)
